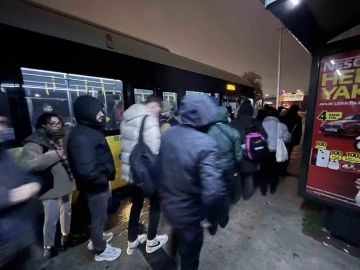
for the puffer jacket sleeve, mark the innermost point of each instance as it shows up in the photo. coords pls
(213, 186)
(237, 147)
(83, 158)
(152, 134)
(33, 158)
(285, 134)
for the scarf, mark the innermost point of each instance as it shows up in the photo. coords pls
(58, 140)
(61, 144)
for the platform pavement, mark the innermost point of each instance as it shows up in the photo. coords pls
(263, 234)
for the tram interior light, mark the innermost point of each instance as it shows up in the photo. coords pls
(332, 62)
(295, 2)
(338, 72)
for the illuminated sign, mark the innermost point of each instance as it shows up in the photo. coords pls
(292, 97)
(230, 87)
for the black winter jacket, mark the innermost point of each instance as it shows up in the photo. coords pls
(294, 125)
(89, 154)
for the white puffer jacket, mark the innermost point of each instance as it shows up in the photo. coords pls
(271, 126)
(130, 127)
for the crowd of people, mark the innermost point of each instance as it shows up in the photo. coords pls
(195, 163)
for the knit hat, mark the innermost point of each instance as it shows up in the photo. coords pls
(166, 106)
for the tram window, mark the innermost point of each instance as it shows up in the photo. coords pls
(195, 92)
(48, 91)
(214, 97)
(172, 98)
(141, 95)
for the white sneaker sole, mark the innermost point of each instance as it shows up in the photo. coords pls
(102, 259)
(107, 241)
(153, 249)
(130, 251)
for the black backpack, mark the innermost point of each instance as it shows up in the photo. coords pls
(255, 143)
(142, 164)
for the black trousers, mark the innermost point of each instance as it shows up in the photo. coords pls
(228, 176)
(269, 171)
(98, 205)
(137, 205)
(285, 165)
(188, 241)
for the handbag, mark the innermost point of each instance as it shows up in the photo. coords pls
(281, 151)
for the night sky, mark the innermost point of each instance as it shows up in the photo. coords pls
(233, 35)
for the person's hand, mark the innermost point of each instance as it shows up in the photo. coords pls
(357, 182)
(205, 224)
(23, 193)
(61, 153)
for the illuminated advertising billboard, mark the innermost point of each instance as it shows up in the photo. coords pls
(334, 163)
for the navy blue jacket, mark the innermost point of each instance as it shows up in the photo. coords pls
(190, 173)
(16, 221)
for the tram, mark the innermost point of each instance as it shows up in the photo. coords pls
(48, 59)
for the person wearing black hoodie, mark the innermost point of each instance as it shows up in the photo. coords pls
(93, 167)
(293, 121)
(247, 167)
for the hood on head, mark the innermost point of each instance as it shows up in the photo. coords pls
(134, 111)
(246, 109)
(86, 108)
(222, 114)
(271, 118)
(197, 110)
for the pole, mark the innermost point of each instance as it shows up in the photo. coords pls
(279, 68)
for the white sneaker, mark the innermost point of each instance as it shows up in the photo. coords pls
(109, 254)
(133, 245)
(156, 243)
(106, 236)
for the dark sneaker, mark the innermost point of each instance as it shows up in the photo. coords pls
(47, 253)
(64, 240)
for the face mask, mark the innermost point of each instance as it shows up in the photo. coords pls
(7, 134)
(59, 133)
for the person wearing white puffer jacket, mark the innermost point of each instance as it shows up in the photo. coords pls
(130, 128)
(270, 169)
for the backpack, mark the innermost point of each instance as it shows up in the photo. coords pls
(255, 143)
(142, 164)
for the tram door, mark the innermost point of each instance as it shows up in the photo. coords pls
(140, 95)
(231, 103)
